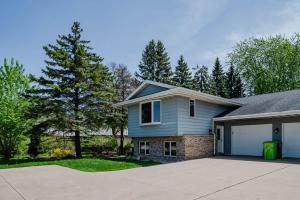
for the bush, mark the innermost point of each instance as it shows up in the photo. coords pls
(99, 144)
(62, 153)
(128, 149)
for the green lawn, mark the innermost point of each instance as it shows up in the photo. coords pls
(84, 164)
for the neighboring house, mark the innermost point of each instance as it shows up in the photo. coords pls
(167, 122)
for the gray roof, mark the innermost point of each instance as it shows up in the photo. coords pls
(266, 103)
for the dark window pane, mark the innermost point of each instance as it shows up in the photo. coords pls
(192, 108)
(147, 146)
(218, 134)
(146, 112)
(156, 110)
(167, 148)
(173, 148)
(142, 148)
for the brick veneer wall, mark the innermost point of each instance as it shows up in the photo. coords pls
(188, 147)
(198, 146)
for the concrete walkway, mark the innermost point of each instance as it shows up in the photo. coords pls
(211, 178)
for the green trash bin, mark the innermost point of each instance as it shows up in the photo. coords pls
(270, 150)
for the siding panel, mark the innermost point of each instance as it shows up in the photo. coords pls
(202, 122)
(168, 126)
(150, 89)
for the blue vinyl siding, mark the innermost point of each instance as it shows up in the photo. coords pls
(168, 126)
(150, 89)
(175, 118)
(201, 122)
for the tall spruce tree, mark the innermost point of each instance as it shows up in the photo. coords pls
(155, 64)
(76, 88)
(182, 76)
(234, 83)
(201, 79)
(218, 79)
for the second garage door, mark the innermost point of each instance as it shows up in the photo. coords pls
(248, 139)
(291, 140)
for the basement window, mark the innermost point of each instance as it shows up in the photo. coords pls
(170, 149)
(144, 148)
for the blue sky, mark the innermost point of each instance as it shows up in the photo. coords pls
(200, 30)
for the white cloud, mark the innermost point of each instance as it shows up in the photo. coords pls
(285, 22)
(196, 15)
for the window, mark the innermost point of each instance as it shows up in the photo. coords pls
(144, 148)
(192, 108)
(218, 134)
(170, 148)
(150, 112)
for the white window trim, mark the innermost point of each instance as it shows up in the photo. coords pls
(145, 154)
(152, 113)
(194, 108)
(170, 155)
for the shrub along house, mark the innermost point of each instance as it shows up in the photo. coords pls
(167, 122)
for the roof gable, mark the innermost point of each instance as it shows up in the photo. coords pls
(148, 88)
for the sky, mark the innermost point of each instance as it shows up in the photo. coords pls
(200, 30)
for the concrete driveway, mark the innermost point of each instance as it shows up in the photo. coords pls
(211, 178)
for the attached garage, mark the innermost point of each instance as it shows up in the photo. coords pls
(248, 139)
(291, 140)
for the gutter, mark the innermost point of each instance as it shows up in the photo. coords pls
(260, 115)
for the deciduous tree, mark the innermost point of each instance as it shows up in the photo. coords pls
(13, 124)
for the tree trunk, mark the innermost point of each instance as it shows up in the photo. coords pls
(77, 144)
(122, 140)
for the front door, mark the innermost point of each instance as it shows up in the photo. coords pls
(220, 138)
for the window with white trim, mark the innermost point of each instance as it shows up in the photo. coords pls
(192, 108)
(144, 148)
(150, 112)
(170, 148)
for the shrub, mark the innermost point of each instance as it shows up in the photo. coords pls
(99, 144)
(62, 153)
(128, 149)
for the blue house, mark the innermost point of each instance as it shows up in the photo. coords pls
(167, 122)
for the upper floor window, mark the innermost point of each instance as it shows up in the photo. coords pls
(150, 112)
(192, 108)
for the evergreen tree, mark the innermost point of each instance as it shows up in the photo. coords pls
(76, 87)
(201, 79)
(182, 76)
(212, 86)
(218, 79)
(234, 83)
(164, 70)
(155, 63)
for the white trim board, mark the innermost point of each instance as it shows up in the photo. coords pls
(179, 91)
(259, 115)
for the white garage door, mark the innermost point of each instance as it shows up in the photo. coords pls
(248, 139)
(291, 140)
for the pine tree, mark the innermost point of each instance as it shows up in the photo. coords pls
(234, 83)
(164, 70)
(76, 88)
(155, 64)
(218, 79)
(201, 79)
(182, 76)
